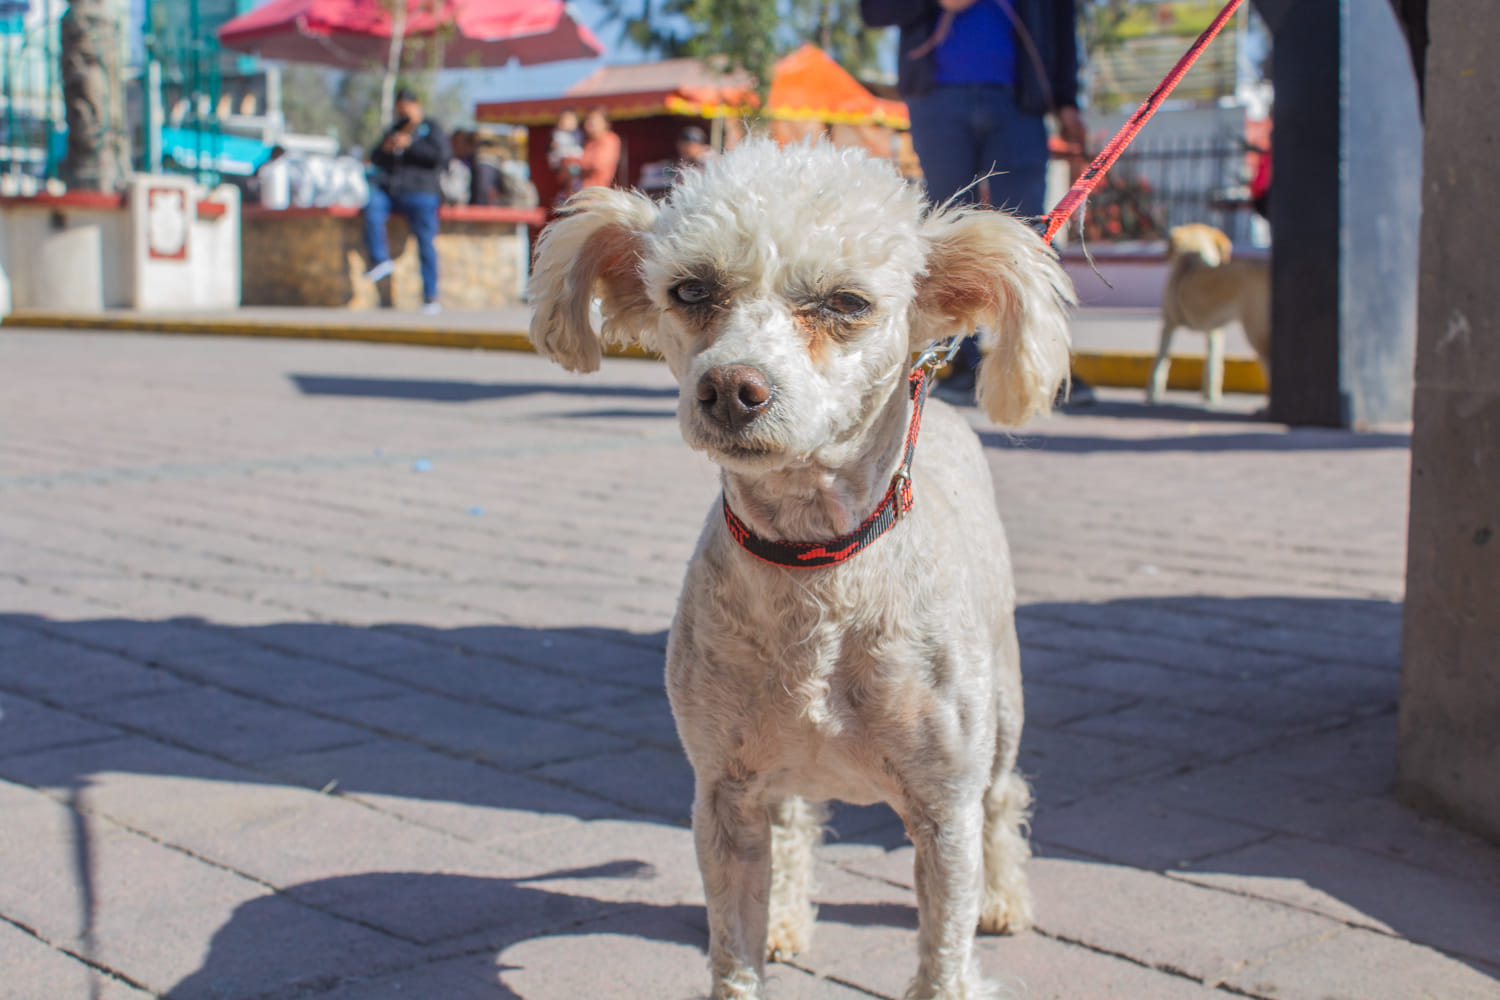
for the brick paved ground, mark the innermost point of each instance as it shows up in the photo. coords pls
(335, 671)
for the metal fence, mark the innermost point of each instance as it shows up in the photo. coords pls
(1156, 186)
(32, 130)
(174, 83)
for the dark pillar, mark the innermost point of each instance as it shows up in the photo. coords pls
(1450, 673)
(1344, 213)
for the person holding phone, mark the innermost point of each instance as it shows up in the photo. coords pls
(408, 163)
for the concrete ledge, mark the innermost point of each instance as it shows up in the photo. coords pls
(1114, 368)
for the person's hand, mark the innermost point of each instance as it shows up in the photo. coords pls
(956, 5)
(1070, 129)
(398, 142)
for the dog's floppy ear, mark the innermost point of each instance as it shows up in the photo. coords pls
(986, 268)
(1226, 246)
(592, 250)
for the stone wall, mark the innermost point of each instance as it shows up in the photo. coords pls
(316, 257)
(1450, 681)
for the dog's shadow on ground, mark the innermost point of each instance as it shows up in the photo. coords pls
(403, 913)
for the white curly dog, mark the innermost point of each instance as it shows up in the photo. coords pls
(787, 290)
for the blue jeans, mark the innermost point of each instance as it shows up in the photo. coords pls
(421, 213)
(961, 133)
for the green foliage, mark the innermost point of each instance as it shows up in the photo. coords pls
(326, 102)
(748, 34)
(1106, 24)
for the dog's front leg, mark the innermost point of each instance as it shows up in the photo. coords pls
(1213, 367)
(733, 834)
(949, 881)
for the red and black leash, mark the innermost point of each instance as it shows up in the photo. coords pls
(1090, 178)
(898, 497)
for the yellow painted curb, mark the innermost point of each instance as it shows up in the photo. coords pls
(1120, 369)
(1131, 369)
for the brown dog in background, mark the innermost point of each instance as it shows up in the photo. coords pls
(1206, 291)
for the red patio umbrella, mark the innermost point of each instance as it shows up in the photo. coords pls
(357, 34)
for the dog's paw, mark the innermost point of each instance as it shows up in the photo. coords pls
(1006, 915)
(787, 939)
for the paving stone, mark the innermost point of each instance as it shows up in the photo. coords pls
(1127, 828)
(352, 647)
(145, 640)
(881, 959)
(876, 825)
(1204, 934)
(646, 718)
(648, 780)
(640, 954)
(616, 861)
(70, 675)
(602, 653)
(1064, 765)
(35, 969)
(179, 507)
(1457, 915)
(473, 801)
(1258, 795)
(114, 774)
(1361, 964)
(27, 726)
(1360, 757)
(229, 725)
(1054, 705)
(1190, 735)
(506, 684)
(278, 677)
(482, 732)
(171, 922)
(1244, 697)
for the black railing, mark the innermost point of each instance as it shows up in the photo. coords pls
(1166, 183)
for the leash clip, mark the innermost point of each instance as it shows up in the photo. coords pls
(937, 355)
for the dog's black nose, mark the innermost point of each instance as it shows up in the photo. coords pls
(733, 395)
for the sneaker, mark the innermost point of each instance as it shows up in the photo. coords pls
(431, 308)
(381, 270)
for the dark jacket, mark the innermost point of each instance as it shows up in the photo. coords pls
(416, 169)
(1050, 24)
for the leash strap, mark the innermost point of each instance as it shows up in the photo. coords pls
(1091, 177)
(893, 506)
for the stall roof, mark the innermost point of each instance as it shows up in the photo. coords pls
(807, 86)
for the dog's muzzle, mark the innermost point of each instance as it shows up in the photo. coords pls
(733, 396)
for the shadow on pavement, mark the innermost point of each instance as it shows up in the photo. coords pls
(1271, 439)
(452, 391)
(1246, 739)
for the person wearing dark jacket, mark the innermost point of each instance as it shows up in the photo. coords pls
(979, 78)
(408, 163)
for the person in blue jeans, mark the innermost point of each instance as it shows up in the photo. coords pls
(408, 163)
(979, 78)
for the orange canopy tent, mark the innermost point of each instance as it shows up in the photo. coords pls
(650, 103)
(807, 85)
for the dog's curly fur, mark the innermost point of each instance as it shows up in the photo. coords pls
(891, 677)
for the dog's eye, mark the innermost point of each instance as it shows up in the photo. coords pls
(691, 293)
(846, 304)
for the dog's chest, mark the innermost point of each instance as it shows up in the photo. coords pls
(834, 716)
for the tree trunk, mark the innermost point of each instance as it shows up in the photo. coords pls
(392, 62)
(98, 157)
